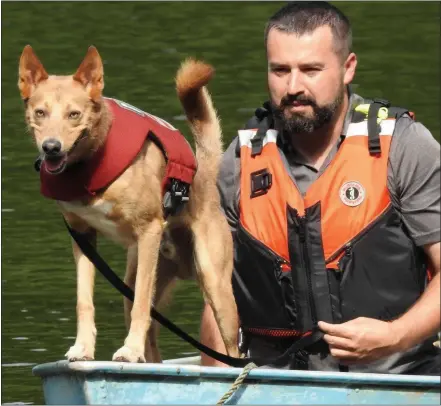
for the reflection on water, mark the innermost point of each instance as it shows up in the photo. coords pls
(142, 45)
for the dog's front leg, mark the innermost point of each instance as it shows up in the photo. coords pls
(84, 347)
(148, 251)
(130, 279)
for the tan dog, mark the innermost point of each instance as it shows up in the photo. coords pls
(197, 242)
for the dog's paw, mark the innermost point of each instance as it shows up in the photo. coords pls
(79, 352)
(127, 354)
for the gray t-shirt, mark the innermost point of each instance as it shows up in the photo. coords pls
(413, 177)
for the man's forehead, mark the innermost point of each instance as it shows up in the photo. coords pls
(320, 38)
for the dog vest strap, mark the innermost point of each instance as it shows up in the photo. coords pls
(179, 173)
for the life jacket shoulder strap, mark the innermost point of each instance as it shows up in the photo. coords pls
(377, 110)
(373, 125)
(397, 112)
(262, 121)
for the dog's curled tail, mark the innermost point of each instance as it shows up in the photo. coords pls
(191, 79)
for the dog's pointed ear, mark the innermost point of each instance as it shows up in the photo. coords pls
(30, 72)
(91, 73)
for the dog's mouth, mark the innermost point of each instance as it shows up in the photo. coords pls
(55, 164)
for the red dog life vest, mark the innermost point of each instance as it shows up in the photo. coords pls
(129, 129)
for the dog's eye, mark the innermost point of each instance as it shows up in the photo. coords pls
(73, 115)
(39, 113)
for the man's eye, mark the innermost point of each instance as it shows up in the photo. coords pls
(312, 71)
(39, 113)
(279, 71)
(74, 115)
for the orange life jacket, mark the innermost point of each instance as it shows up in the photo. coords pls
(336, 253)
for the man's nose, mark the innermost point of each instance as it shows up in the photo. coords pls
(294, 85)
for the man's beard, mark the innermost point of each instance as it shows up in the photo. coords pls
(300, 123)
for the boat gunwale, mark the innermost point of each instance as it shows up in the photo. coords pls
(171, 368)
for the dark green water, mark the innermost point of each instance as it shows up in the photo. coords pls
(142, 45)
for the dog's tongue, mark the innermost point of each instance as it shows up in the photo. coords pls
(55, 164)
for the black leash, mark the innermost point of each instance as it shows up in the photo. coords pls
(115, 280)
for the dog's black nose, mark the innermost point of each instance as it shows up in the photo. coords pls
(51, 146)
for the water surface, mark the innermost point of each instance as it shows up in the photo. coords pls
(142, 45)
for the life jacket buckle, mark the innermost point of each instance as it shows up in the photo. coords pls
(256, 145)
(261, 182)
(243, 341)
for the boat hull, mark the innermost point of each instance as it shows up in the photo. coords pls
(179, 382)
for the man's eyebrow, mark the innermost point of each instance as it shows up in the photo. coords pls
(305, 65)
(277, 65)
(312, 64)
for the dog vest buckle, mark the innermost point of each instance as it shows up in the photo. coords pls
(175, 197)
(261, 181)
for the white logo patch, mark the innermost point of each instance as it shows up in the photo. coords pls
(128, 106)
(352, 194)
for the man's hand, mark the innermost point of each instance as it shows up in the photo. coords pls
(361, 340)
(364, 340)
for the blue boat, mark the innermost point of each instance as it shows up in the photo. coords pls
(183, 381)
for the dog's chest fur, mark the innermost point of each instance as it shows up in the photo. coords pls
(97, 214)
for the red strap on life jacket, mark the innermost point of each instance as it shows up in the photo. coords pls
(276, 333)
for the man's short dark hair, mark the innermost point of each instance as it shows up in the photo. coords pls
(302, 17)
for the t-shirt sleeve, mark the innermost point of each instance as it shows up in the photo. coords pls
(228, 184)
(414, 180)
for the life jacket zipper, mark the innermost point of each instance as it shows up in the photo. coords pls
(300, 223)
(347, 254)
(349, 245)
(278, 260)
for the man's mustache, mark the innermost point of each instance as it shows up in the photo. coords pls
(287, 101)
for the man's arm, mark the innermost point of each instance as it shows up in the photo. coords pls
(414, 184)
(228, 182)
(423, 319)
